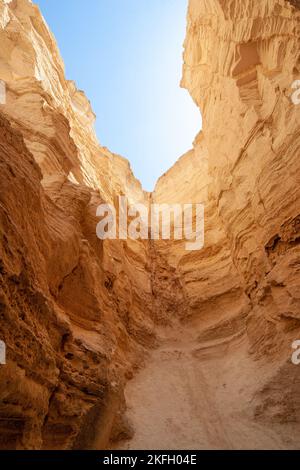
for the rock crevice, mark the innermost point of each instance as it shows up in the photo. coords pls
(81, 317)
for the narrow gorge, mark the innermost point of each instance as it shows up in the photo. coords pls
(141, 344)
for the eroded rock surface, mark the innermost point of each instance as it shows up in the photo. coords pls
(75, 311)
(79, 316)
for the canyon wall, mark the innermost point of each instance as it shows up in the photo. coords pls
(75, 310)
(78, 315)
(242, 290)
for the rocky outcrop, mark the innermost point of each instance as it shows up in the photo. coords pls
(70, 308)
(79, 315)
(75, 316)
(240, 61)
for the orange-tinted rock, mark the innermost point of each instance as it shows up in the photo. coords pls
(79, 315)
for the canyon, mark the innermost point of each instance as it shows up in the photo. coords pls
(141, 344)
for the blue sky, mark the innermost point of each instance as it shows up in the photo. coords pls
(127, 57)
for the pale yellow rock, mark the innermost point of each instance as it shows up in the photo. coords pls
(71, 305)
(79, 315)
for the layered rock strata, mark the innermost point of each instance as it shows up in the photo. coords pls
(75, 316)
(78, 315)
(240, 62)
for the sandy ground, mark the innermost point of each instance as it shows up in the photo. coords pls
(184, 399)
(170, 406)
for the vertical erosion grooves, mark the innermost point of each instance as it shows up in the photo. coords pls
(79, 315)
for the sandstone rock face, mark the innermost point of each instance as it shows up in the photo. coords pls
(79, 315)
(251, 129)
(75, 316)
(242, 290)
